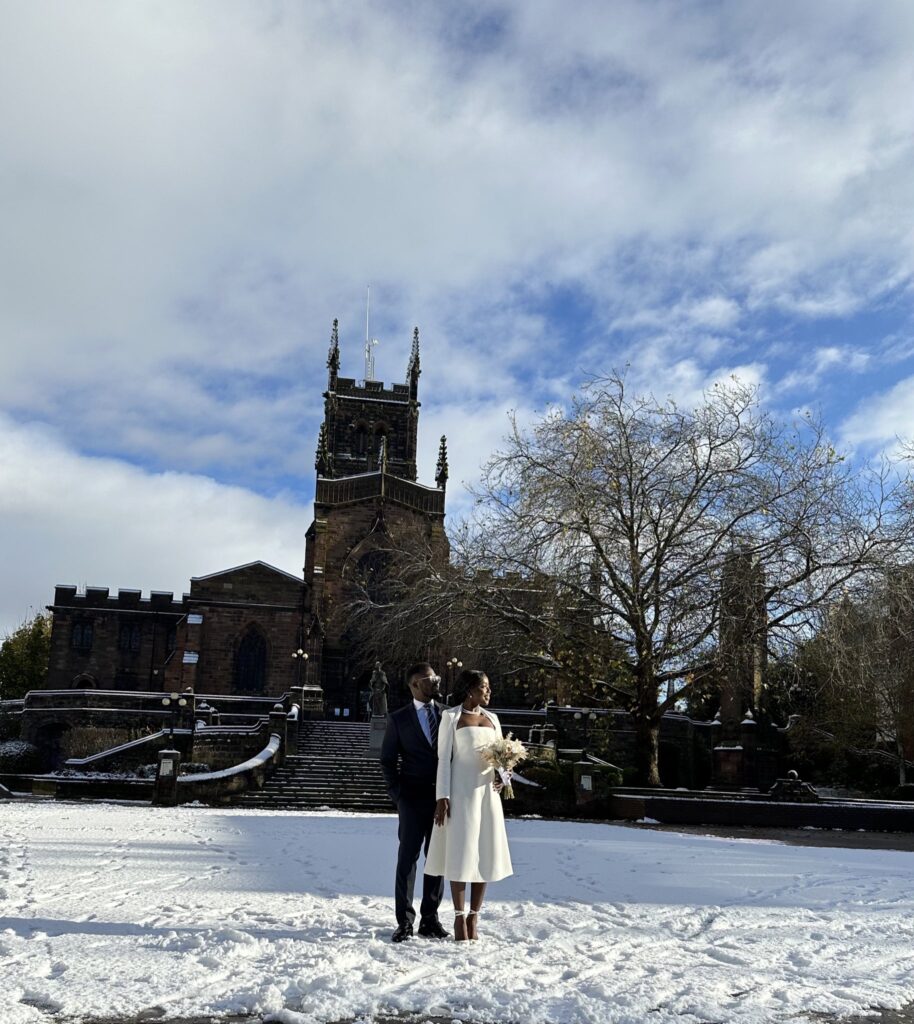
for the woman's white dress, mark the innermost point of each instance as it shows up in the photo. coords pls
(472, 845)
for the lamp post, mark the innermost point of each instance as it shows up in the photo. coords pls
(301, 659)
(588, 720)
(452, 665)
(174, 702)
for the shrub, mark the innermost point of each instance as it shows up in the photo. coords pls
(9, 726)
(17, 756)
(606, 779)
(556, 796)
(83, 741)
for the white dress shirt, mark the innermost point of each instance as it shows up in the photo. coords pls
(423, 716)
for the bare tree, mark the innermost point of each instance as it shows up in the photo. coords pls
(601, 536)
(867, 646)
(414, 604)
(623, 512)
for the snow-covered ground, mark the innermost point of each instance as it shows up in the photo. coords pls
(108, 910)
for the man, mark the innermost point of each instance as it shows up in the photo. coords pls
(409, 760)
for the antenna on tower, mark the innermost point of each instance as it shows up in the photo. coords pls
(369, 341)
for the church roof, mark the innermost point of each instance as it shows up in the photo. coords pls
(248, 565)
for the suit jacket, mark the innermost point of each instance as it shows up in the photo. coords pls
(408, 760)
(447, 730)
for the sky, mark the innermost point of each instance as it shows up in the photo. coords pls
(191, 192)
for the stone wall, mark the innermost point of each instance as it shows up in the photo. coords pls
(221, 750)
(252, 597)
(133, 643)
(129, 641)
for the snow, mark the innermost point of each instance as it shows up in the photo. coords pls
(115, 910)
(256, 761)
(14, 748)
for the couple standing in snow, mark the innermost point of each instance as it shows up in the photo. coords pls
(447, 801)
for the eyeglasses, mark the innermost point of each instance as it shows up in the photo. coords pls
(431, 679)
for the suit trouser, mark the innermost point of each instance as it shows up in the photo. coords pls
(417, 819)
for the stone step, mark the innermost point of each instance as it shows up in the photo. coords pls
(332, 729)
(334, 803)
(331, 767)
(337, 755)
(328, 777)
(309, 791)
(333, 752)
(363, 752)
(325, 777)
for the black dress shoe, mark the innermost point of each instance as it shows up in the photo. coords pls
(432, 929)
(403, 932)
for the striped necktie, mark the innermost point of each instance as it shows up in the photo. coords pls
(432, 725)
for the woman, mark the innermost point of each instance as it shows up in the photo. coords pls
(470, 844)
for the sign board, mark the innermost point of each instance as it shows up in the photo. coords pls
(166, 766)
(587, 783)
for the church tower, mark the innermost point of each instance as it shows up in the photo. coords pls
(367, 500)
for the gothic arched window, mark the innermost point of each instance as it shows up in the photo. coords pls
(361, 440)
(251, 662)
(129, 637)
(82, 635)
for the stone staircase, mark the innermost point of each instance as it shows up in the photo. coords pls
(331, 768)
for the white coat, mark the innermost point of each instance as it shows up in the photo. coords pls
(447, 729)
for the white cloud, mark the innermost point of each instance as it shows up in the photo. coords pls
(715, 311)
(190, 193)
(882, 418)
(71, 518)
(67, 518)
(812, 368)
(197, 188)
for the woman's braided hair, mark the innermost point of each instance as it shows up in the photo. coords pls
(468, 680)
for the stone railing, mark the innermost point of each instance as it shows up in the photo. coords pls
(347, 489)
(221, 786)
(131, 753)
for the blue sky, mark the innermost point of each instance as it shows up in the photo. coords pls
(191, 193)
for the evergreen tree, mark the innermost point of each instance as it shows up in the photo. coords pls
(24, 657)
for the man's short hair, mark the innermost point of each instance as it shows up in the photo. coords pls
(417, 670)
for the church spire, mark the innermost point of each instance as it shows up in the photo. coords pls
(322, 461)
(441, 473)
(413, 370)
(333, 357)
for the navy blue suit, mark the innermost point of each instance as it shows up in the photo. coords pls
(410, 766)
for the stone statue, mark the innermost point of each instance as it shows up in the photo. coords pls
(379, 691)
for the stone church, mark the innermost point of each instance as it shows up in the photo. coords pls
(239, 631)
